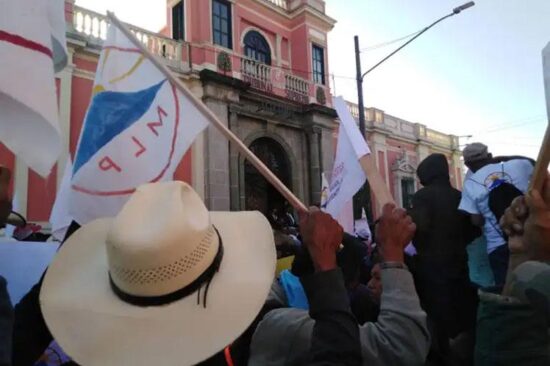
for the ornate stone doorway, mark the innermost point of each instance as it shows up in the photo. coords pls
(259, 193)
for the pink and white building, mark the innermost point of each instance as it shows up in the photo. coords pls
(262, 67)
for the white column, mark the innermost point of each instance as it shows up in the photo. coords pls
(65, 91)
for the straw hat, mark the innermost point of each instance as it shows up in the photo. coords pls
(164, 283)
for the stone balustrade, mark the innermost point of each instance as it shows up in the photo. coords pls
(93, 26)
(377, 119)
(280, 3)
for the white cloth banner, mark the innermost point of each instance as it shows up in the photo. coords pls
(347, 175)
(58, 29)
(362, 228)
(23, 263)
(60, 219)
(345, 218)
(324, 190)
(137, 129)
(28, 101)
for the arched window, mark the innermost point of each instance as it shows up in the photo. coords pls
(257, 48)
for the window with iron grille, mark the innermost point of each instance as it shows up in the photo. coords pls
(221, 23)
(407, 192)
(318, 65)
(178, 22)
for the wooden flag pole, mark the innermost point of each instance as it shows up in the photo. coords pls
(541, 167)
(249, 155)
(376, 182)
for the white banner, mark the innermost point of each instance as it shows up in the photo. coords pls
(23, 263)
(137, 129)
(28, 51)
(345, 218)
(347, 174)
(60, 218)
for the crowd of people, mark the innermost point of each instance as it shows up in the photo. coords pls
(198, 287)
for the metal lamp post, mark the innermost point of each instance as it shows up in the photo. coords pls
(361, 76)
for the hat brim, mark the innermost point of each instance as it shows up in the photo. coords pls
(95, 327)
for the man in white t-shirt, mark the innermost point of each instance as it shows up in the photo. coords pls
(487, 174)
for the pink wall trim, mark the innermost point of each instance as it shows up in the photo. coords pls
(7, 159)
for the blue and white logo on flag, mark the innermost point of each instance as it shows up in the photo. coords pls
(137, 128)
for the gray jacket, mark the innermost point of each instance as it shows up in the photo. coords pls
(399, 337)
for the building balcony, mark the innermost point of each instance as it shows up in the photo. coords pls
(291, 5)
(185, 58)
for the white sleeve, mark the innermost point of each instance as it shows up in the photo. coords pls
(467, 203)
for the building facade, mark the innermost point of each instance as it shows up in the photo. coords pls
(259, 65)
(399, 146)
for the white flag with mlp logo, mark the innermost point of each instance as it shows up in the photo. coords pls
(137, 129)
(347, 174)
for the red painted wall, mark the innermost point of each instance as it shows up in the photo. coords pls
(184, 170)
(41, 192)
(301, 53)
(7, 159)
(41, 195)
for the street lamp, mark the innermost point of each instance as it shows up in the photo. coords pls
(360, 75)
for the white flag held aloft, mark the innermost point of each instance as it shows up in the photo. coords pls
(32, 42)
(137, 129)
(324, 190)
(60, 219)
(347, 174)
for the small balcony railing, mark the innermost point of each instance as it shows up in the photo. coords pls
(94, 26)
(280, 3)
(257, 74)
(186, 57)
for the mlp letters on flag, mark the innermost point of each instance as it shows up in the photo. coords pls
(137, 129)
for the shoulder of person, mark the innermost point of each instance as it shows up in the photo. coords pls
(422, 192)
(503, 159)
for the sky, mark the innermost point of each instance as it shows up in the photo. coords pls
(478, 73)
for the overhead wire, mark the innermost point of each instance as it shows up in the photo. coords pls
(511, 125)
(388, 43)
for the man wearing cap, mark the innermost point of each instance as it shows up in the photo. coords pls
(490, 186)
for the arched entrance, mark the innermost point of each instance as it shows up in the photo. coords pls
(259, 193)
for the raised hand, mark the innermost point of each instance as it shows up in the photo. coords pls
(394, 232)
(322, 236)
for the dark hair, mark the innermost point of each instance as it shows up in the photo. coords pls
(350, 258)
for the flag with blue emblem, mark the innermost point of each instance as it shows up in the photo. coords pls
(137, 129)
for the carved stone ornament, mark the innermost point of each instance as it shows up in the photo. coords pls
(403, 165)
